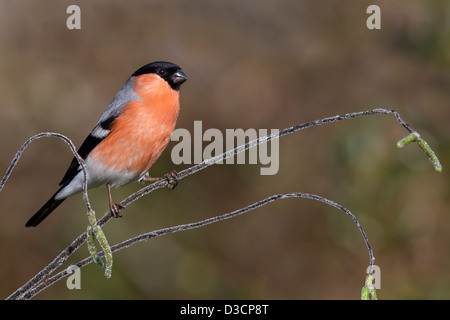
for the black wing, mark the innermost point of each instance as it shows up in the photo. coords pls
(97, 135)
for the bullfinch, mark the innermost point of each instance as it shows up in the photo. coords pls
(130, 136)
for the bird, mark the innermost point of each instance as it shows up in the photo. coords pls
(129, 137)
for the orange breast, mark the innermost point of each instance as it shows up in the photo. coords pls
(142, 131)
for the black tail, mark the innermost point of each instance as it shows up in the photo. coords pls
(44, 211)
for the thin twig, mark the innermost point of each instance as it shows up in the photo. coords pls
(77, 242)
(25, 290)
(166, 231)
(49, 135)
(209, 162)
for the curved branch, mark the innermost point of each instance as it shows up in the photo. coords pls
(72, 147)
(166, 231)
(25, 290)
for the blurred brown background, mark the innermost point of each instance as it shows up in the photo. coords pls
(251, 64)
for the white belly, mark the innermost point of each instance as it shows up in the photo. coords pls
(97, 175)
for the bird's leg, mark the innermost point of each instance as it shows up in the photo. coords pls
(113, 206)
(171, 177)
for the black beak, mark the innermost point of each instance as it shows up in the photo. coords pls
(179, 77)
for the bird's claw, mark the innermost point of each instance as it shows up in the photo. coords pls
(115, 208)
(172, 179)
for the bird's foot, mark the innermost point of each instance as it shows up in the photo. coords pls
(115, 208)
(171, 178)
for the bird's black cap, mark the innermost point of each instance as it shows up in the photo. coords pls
(170, 72)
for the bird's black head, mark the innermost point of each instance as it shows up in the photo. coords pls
(166, 70)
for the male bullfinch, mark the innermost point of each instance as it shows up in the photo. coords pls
(130, 136)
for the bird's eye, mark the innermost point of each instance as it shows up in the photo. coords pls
(161, 72)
